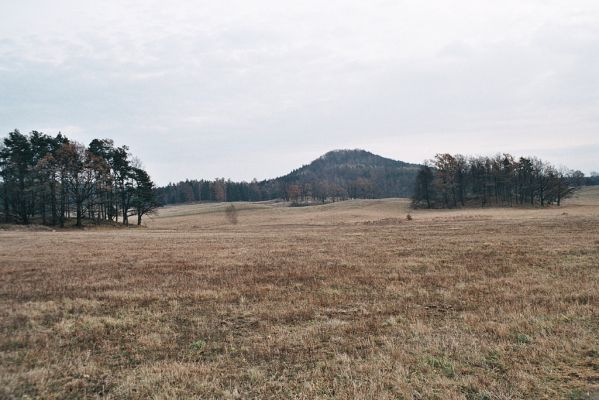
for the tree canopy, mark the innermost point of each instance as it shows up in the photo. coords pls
(51, 179)
(450, 181)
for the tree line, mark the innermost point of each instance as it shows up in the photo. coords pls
(450, 181)
(221, 190)
(52, 179)
(287, 189)
(218, 190)
(337, 175)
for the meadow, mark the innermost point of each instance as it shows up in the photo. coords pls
(338, 301)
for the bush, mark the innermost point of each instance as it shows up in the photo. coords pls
(231, 213)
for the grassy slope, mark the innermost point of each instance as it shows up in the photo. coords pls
(346, 300)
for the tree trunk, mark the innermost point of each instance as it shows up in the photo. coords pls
(559, 192)
(53, 202)
(124, 205)
(79, 214)
(6, 206)
(23, 203)
(62, 210)
(43, 206)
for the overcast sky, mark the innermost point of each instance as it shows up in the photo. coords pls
(244, 89)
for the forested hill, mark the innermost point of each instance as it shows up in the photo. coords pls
(337, 175)
(352, 173)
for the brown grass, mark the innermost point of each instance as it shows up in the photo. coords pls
(347, 300)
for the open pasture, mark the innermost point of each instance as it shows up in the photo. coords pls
(344, 300)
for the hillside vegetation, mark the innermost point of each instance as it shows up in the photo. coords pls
(343, 300)
(355, 174)
(337, 175)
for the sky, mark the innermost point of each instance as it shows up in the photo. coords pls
(253, 89)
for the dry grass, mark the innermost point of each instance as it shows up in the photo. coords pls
(347, 300)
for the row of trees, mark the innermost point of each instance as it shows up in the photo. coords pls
(226, 190)
(51, 179)
(450, 181)
(205, 190)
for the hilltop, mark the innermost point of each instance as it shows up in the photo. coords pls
(352, 159)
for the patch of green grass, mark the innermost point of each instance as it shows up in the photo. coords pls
(494, 362)
(198, 345)
(472, 393)
(522, 338)
(443, 365)
(578, 394)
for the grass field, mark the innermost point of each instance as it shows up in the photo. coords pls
(345, 300)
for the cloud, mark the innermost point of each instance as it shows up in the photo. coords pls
(194, 85)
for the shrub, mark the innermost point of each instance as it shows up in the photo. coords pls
(231, 213)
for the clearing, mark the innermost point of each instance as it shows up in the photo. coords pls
(344, 300)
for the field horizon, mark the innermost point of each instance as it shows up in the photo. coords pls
(343, 300)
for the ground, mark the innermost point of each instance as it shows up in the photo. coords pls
(345, 300)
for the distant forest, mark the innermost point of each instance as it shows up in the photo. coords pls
(53, 180)
(337, 175)
(450, 181)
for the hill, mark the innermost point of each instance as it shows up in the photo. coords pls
(354, 174)
(338, 160)
(338, 174)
